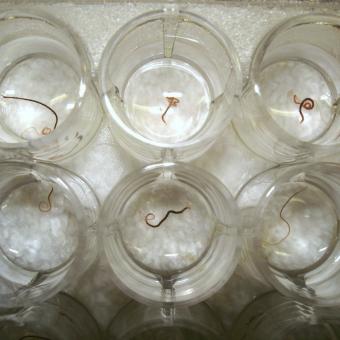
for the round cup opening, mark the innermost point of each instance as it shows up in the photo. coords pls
(168, 80)
(40, 62)
(165, 234)
(39, 226)
(170, 219)
(299, 227)
(45, 88)
(46, 214)
(167, 101)
(290, 104)
(294, 245)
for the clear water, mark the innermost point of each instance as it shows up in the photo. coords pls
(181, 240)
(145, 98)
(312, 232)
(38, 70)
(283, 80)
(32, 237)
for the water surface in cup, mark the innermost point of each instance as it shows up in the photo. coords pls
(299, 97)
(167, 226)
(39, 229)
(167, 100)
(300, 227)
(40, 71)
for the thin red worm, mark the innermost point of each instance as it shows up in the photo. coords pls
(283, 219)
(37, 102)
(173, 101)
(163, 115)
(147, 219)
(307, 104)
(49, 203)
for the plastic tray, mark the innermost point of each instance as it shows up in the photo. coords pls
(103, 162)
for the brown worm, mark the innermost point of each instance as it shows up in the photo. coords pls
(40, 103)
(45, 207)
(147, 217)
(173, 101)
(307, 104)
(283, 219)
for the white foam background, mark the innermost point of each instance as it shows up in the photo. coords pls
(103, 162)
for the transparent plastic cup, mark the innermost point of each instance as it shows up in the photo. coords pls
(169, 81)
(47, 233)
(291, 227)
(140, 322)
(170, 234)
(60, 318)
(274, 317)
(48, 105)
(290, 108)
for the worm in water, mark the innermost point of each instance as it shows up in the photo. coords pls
(45, 131)
(46, 206)
(284, 220)
(172, 101)
(307, 104)
(151, 216)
